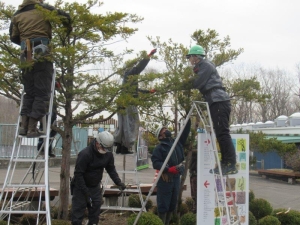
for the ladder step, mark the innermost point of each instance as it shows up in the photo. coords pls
(127, 190)
(41, 136)
(29, 160)
(18, 205)
(26, 186)
(23, 212)
(121, 208)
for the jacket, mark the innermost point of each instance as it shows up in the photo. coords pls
(162, 150)
(90, 165)
(208, 81)
(28, 22)
(136, 70)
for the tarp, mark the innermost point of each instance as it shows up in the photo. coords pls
(128, 127)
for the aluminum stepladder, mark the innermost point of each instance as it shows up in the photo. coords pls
(222, 202)
(131, 189)
(222, 199)
(24, 191)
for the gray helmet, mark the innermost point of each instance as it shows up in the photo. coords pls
(158, 130)
(106, 139)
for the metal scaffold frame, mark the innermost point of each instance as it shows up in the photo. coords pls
(27, 196)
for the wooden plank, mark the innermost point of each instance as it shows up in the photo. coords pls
(279, 173)
(145, 188)
(33, 193)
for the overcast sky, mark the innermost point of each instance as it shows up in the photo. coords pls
(268, 30)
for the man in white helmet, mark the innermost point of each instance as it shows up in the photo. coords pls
(88, 173)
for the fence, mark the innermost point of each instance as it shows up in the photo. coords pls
(29, 145)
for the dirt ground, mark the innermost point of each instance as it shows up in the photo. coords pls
(116, 218)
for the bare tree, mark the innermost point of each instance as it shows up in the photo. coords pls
(280, 85)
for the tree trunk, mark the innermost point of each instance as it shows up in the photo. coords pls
(65, 173)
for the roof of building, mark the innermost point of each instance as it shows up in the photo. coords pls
(286, 139)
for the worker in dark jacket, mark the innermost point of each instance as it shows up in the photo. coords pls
(169, 183)
(208, 81)
(88, 173)
(30, 29)
(128, 122)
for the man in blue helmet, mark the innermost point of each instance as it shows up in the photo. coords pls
(208, 81)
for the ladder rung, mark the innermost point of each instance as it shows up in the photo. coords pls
(19, 204)
(23, 212)
(121, 208)
(28, 160)
(41, 136)
(124, 191)
(26, 185)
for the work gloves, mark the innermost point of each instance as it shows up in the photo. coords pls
(152, 52)
(173, 170)
(89, 201)
(122, 186)
(179, 169)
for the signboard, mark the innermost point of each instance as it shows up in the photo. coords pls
(209, 187)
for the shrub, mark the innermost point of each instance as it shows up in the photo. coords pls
(60, 222)
(190, 203)
(146, 218)
(293, 160)
(2, 222)
(54, 212)
(153, 210)
(183, 209)
(252, 219)
(251, 196)
(135, 202)
(28, 219)
(269, 220)
(290, 218)
(151, 148)
(260, 208)
(188, 219)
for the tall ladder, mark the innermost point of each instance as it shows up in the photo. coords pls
(222, 201)
(24, 191)
(135, 188)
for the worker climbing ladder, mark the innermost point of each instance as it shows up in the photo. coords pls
(228, 214)
(26, 195)
(223, 198)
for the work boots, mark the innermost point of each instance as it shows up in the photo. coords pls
(24, 125)
(33, 132)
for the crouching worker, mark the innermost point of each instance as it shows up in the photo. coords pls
(88, 174)
(169, 183)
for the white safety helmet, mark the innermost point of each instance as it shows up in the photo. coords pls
(106, 139)
(158, 130)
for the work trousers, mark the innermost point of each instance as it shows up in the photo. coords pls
(220, 113)
(167, 194)
(79, 205)
(37, 86)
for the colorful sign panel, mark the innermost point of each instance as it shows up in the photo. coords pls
(210, 189)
